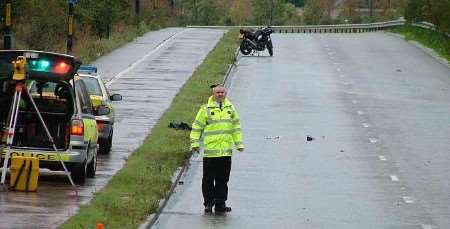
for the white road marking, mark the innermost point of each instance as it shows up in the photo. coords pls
(373, 140)
(408, 199)
(120, 74)
(394, 178)
(366, 125)
(426, 226)
(361, 112)
(382, 158)
(355, 101)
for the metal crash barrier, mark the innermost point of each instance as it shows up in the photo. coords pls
(339, 28)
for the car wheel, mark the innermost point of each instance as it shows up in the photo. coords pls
(245, 48)
(270, 48)
(79, 173)
(92, 167)
(105, 146)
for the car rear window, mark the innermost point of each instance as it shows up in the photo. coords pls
(92, 85)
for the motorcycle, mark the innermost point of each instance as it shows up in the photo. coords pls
(258, 40)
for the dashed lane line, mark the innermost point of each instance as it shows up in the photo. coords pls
(408, 199)
(394, 178)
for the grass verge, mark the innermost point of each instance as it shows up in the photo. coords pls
(134, 192)
(429, 38)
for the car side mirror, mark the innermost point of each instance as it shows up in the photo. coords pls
(116, 97)
(102, 110)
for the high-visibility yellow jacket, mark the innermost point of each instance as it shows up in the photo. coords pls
(220, 127)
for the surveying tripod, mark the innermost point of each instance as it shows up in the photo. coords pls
(19, 77)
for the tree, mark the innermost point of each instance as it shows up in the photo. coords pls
(414, 10)
(39, 24)
(240, 12)
(204, 12)
(297, 3)
(101, 15)
(268, 12)
(439, 14)
(436, 12)
(313, 14)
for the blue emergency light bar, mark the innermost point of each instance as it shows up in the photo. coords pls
(88, 69)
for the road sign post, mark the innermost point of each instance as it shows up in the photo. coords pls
(70, 26)
(7, 37)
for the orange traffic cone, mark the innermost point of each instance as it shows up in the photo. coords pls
(99, 226)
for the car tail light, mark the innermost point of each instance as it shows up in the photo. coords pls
(100, 126)
(77, 127)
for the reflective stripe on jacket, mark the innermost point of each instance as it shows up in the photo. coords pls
(220, 127)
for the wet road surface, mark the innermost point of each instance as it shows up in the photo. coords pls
(148, 73)
(378, 110)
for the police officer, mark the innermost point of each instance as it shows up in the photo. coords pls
(219, 123)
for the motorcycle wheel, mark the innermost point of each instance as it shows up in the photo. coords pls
(270, 48)
(245, 48)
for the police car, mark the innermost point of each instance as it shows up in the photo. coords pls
(63, 103)
(100, 97)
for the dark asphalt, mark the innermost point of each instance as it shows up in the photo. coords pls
(378, 109)
(148, 73)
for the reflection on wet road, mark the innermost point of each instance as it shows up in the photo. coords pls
(147, 90)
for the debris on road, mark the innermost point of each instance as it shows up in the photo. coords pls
(276, 137)
(179, 126)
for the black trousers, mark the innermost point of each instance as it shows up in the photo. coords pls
(216, 173)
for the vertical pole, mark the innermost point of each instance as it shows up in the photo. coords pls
(370, 8)
(137, 7)
(70, 29)
(8, 24)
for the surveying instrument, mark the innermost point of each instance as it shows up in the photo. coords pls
(19, 77)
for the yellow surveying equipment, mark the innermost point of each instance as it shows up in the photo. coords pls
(19, 68)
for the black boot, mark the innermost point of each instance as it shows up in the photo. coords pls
(208, 208)
(220, 208)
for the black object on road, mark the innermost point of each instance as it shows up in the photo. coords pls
(180, 126)
(309, 138)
